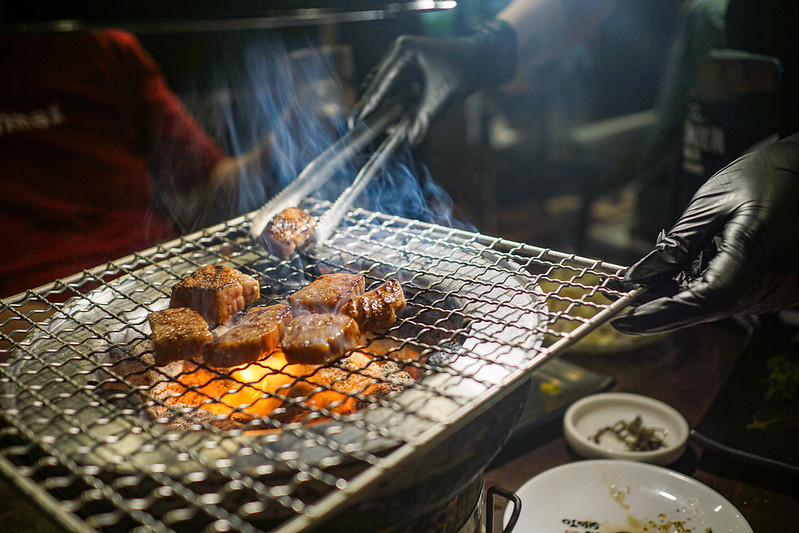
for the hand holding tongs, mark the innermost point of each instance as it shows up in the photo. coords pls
(324, 166)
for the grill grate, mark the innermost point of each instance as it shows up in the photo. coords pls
(90, 435)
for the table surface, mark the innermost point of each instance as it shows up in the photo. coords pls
(685, 369)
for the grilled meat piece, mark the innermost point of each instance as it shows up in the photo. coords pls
(376, 309)
(216, 292)
(319, 338)
(177, 334)
(327, 294)
(257, 333)
(290, 230)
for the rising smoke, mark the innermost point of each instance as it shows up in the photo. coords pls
(293, 96)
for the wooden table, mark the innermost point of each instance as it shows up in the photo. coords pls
(686, 370)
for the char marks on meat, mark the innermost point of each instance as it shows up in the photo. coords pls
(319, 338)
(290, 230)
(327, 294)
(257, 333)
(377, 309)
(216, 292)
(177, 334)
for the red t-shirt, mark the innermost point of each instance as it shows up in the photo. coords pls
(84, 117)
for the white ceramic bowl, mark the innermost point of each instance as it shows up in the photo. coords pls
(587, 416)
(608, 496)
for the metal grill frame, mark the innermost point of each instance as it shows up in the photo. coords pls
(565, 303)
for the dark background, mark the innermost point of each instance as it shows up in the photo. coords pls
(523, 191)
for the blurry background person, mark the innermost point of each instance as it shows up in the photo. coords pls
(90, 133)
(723, 94)
(750, 207)
(699, 28)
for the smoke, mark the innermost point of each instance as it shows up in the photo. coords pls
(406, 188)
(293, 98)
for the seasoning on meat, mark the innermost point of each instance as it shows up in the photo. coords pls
(327, 294)
(177, 334)
(216, 292)
(319, 338)
(290, 230)
(376, 309)
(257, 333)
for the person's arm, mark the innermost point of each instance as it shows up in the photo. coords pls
(440, 71)
(546, 29)
(221, 195)
(195, 179)
(753, 206)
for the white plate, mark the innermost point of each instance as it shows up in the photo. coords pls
(611, 496)
(584, 418)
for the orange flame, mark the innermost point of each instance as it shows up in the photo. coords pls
(259, 389)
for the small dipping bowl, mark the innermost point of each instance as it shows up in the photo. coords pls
(588, 416)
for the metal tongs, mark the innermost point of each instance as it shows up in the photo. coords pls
(324, 167)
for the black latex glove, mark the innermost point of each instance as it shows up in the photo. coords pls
(437, 72)
(753, 205)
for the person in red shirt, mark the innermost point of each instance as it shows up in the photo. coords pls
(90, 132)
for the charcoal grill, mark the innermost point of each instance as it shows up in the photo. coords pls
(483, 312)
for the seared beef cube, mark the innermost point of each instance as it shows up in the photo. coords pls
(327, 294)
(216, 292)
(290, 230)
(377, 309)
(319, 339)
(257, 333)
(177, 334)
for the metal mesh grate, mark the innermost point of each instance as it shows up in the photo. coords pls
(91, 435)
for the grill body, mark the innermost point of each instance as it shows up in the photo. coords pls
(483, 313)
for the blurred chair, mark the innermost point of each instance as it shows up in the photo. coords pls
(589, 159)
(652, 140)
(608, 152)
(730, 108)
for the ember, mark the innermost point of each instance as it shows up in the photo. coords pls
(286, 393)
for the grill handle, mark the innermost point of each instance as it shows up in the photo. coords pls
(513, 498)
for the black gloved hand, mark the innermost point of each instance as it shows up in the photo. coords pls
(438, 71)
(753, 204)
